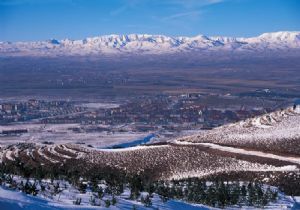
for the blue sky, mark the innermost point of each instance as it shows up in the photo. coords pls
(25, 20)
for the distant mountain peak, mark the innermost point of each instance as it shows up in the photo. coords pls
(53, 41)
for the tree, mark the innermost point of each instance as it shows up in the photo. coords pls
(211, 196)
(244, 191)
(77, 201)
(94, 185)
(34, 191)
(43, 187)
(113, 200)
(235, 193)
(107, 203)
(57, 188)
(251, 194)
(30, 188)
(146, 201)
(92, 201)
(221, 192)
(100, 192)
(274, 195)
(82, 187)
(136, 186)
(259, 195)
(21, 186)
(163, 191)
(172, 192)
(149, 188)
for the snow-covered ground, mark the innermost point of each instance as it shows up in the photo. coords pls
(99, 105)
(62, 133)
(13, 200)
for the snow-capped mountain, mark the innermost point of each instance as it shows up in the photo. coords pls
(154, 44)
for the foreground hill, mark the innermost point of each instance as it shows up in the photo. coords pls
(276, 132)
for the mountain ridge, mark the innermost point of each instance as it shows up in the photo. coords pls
(274, 42)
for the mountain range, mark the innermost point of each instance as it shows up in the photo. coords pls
(286, 42)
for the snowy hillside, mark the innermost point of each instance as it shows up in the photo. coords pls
(154, 44)
(277, 132)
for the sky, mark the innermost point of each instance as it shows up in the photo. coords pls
(29, 20)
